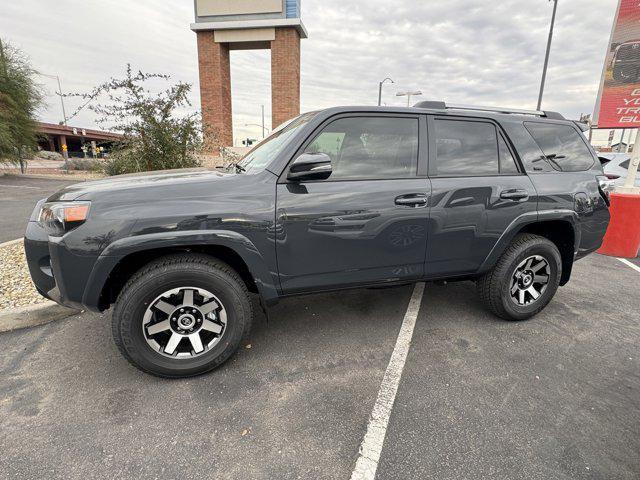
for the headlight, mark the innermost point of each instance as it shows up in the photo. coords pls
(57, 218)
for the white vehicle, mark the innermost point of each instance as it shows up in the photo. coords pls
(616, 167)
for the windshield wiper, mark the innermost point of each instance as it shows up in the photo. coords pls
(552, 160)
(239, 168)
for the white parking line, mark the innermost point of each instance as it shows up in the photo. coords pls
(629, 264)
(371, 446)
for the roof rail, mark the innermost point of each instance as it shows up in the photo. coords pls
(436, 105)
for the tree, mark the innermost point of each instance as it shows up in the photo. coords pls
(20, 98)
(156, 136)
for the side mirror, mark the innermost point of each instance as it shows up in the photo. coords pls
(310, 166)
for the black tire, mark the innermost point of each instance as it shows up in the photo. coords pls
(494, 286)
(177, 271)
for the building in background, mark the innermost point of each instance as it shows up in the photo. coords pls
(71, 140)
(224, 25)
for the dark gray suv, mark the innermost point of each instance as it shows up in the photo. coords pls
(340, 198)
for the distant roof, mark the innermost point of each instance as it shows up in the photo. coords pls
(79, 132)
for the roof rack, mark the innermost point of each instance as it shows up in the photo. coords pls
(437, 105)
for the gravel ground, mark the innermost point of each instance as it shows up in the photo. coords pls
(16, 289)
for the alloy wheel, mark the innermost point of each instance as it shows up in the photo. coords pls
(529, 280)
(184, 322)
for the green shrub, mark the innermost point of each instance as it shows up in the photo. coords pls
(156, 135)
(47, 155)
(83, 164)
(130, 160)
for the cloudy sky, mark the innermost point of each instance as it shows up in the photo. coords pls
(463, 51)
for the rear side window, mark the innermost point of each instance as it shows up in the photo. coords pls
(466, 148)
(562, 145)
(369, 147)
(507, 162)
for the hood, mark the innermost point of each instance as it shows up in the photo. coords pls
(160, 179)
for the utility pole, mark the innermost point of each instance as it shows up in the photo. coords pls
(380, 89)
(546, 56)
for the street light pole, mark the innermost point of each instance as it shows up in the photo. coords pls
(380, 89)
(546, 56)
(258, 125)
(64, 112)
(624, 130)
(408, 95)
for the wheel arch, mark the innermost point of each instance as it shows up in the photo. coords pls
(123, 258)
(560, 227)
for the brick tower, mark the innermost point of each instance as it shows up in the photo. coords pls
(224, 25)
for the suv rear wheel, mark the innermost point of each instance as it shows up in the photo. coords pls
(182, 315)
(524, 280)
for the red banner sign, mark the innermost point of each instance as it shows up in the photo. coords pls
(618, 104)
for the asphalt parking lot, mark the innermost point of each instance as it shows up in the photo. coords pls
(556, 397)
(18, 196)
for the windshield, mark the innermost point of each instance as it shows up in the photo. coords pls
(264, 152)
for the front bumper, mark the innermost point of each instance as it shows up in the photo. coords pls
(45, 258)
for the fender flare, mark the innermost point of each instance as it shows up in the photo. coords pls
(531, 218)
(241, 245)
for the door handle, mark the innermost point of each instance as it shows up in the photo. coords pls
(412, 200)
(515, 194)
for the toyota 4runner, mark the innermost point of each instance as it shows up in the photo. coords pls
(339, 198)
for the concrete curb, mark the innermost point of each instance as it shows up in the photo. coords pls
(33, 315)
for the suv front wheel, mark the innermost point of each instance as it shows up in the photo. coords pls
(524, 280)
(182, 315)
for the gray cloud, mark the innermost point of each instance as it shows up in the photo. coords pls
(463, 51)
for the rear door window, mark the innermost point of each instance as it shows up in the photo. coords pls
(465, 148)
(562, 145)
